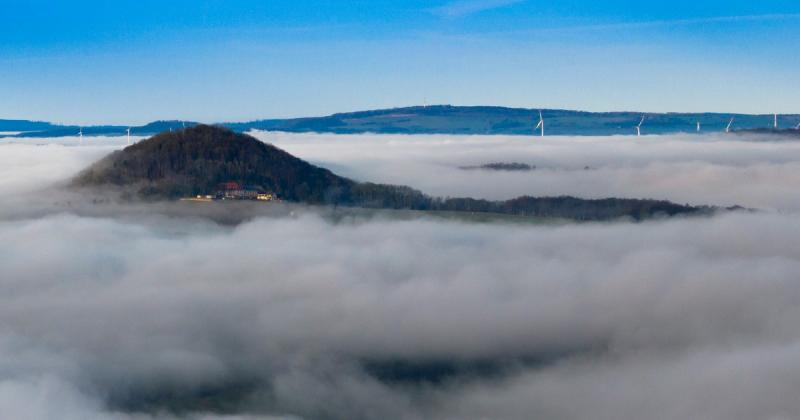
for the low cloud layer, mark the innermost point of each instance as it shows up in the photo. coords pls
(712, 169)
(153, 315)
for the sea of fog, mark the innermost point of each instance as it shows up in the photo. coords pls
(155, 315)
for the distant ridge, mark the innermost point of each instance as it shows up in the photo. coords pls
(41, 130)
(447, 119)
(193, 161)
(24, 125)
(789, 132)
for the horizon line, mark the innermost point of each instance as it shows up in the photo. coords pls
(246, 120)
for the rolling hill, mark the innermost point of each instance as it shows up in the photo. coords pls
(447, 119)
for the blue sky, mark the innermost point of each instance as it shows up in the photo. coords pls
(226, 60)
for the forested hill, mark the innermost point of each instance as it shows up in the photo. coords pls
(195, 160)
(446, 119)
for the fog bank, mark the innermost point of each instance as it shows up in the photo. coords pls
(150, 311)
(714, 169)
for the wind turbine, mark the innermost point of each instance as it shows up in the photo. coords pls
(728, 128)
(541, 123)
(698, 126)
(80, 134)
(639, 127)
(129, 136)
(775, 122)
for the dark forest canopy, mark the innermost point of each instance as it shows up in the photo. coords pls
(196, 160)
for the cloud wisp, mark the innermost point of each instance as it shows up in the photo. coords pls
(463, 8)
(677, 22)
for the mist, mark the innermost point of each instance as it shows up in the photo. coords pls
(146, 311)
(714, 169)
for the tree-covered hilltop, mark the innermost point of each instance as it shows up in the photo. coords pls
(196, 160)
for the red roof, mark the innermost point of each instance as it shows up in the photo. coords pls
(231, 186)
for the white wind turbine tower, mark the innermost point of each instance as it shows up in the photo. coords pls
(80, 134)
(129, 135)
(698, 126)
(541, 123)
(639, 127)
(775, 122)
(730, 124)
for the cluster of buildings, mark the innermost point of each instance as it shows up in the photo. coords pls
(236, 191)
